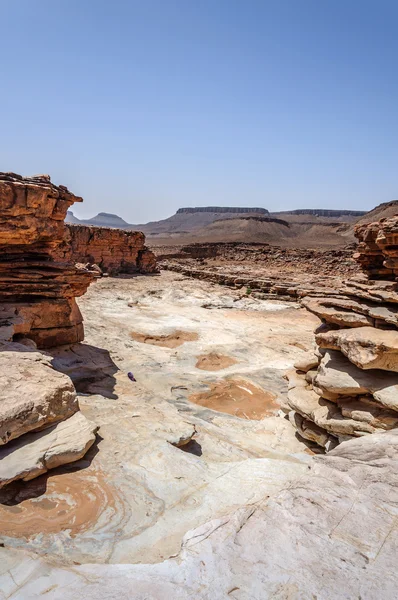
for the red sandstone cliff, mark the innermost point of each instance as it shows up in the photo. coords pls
(37, 293)
(113, 250)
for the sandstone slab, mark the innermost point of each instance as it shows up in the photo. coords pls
(337, 376)
(366, 347)
(32, 394)
(35, 453)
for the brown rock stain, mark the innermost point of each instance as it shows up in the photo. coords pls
(71, 501)
(214, 362)
(238, 397)
(168, 341)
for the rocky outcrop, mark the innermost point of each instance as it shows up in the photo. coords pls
(378, 248)
(40, 423)
(353, 388)
(113, 250)
(329, 532)
(37, 292)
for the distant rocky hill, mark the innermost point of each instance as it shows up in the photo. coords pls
(382, 211)
(101, 220)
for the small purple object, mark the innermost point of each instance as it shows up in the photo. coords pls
(131, 377)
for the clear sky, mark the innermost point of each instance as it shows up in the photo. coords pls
(144, 106)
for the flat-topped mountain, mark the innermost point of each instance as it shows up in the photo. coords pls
(302, 227)
(322, 212)
(222, 210)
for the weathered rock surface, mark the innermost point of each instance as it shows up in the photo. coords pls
(343, 508)
(113, 250)
(366, 347)
(349, 312)
(377, 250)
(37, 309)
(38, 289)
(32, 394)
(356, 379)
(337, 376)
(35, 453)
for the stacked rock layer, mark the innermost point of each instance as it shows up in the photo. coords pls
(37, 292)
(378, 248)
(41, 426)
(112, 250)
(349, 386)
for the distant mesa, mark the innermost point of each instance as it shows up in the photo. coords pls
(321, 212)
(222, 209)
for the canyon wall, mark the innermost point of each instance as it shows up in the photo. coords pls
(113, 250)
(37, 292)
(348, 387)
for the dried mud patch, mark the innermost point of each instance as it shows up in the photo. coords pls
(214, 362)
(239, 398)
(168, 341)
(53, 503)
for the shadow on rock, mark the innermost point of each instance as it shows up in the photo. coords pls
(19, 491)
(193, 447)
(91, 369)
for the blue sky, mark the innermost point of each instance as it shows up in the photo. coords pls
(145, 106)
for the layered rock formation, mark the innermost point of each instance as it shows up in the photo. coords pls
(40, 423)
(349, 386)
(378, 248)
(113, 250)
(37, 292)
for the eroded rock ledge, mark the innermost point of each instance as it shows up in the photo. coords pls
(113, 250)
(348, 387)
(37, 292)
(378, 248)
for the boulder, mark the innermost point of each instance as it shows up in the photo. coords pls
(307, 362)
(32, 394)
(35, 453)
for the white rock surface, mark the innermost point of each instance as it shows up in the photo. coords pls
(35, 453)
(332, 533)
